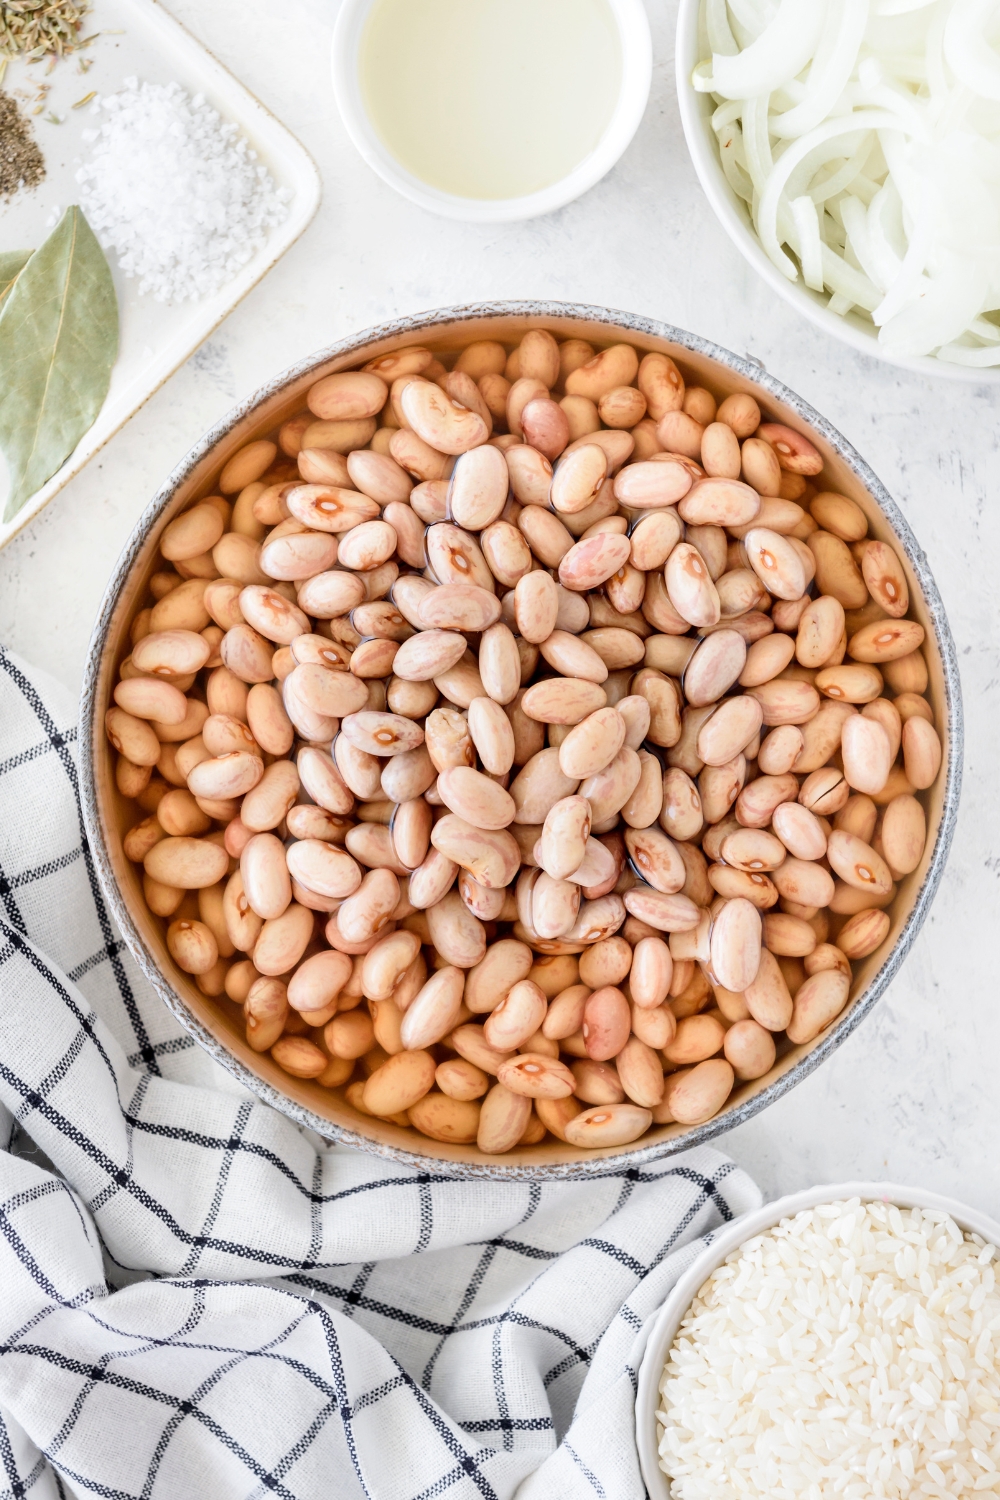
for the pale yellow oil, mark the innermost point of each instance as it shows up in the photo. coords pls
(490, 98)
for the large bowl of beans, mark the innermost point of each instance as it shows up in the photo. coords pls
(523, 736)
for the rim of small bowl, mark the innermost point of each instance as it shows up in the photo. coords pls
(663, 1325)
(731, 213)
(91, 716)
(637, 71)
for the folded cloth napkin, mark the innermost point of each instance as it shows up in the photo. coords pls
(203, 1299)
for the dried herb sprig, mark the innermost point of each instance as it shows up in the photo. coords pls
(36, 28)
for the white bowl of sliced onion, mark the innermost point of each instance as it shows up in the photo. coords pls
(852, 154)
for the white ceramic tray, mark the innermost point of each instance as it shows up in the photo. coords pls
(140, 38)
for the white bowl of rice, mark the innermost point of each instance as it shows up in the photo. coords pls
(843, 1341)
(911, 236)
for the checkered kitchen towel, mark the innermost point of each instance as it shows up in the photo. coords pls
(202, 1299)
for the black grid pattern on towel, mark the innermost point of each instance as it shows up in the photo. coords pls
(199, 1298)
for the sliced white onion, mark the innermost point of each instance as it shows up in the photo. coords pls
(969, 54)
(852, 166)
(720, 37)
(831, 69)
(855, 220)
(767, 216)
(909, 285)
(864, 136)
(900, 7)
(810, 245)
(780, 52)
(886, 239)
(726, 114)
(983, 330)
(751, 17)
(756, 142)
(948, 303)
(965, 354)
(842, 277)
(733, 158)
(884, 96)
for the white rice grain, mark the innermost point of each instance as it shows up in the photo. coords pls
(849, 1352)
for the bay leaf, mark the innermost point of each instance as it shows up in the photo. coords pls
(12, 263)
(58, 342)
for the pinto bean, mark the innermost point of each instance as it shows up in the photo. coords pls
(788, 936)
(265, 875)
(694, 1095)
(767, 997)
(517, 1016)
(777, 563)
(460, 1079)
(921, 752)
(729, 730)
(750, 1049)
(867, 754)
(656, 1027)
(399, 1083)
(714, 666)
(475, 797)
(188, 864)
(282, 940)
(884, 576)
(606, 1023)
(554, 906)
(719, 502)
(192, 946)
(736, 944)
(817, 1002)
(439, 421)
(445, 1118)
(857, 863)
(804, 882)
(265, 1010)
(863, 932)
(505, 964)
(904, 834)
(596, 1082)
(229, 775)
(608, 1125)
(641, 1072)
(537, 1076)
(691, 590)
(455, 932)
(651, 973)
(502, 1120)
(319, 980)
(435, 1010)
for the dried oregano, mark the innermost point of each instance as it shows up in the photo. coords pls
(35, 28)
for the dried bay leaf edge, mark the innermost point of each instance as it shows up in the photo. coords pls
(58, 343)
(12, 263)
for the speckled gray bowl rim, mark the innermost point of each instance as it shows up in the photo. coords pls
(91, 716)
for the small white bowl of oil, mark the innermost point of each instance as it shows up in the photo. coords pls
(491, 110)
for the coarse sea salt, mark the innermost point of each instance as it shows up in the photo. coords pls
(175, 190)
(851, 1352)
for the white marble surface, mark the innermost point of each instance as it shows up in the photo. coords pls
(913, 1096)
